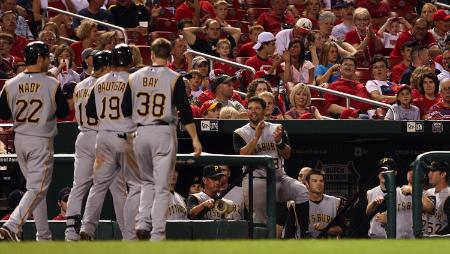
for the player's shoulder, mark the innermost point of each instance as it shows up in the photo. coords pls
(243, 129)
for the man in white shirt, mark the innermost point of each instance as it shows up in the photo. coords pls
(301, 29)
(446, 66)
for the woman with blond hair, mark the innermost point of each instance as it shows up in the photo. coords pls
(300, 99)
(428, 9)
(107, 41)
(312, 11)
(137, 59)
(87, 33)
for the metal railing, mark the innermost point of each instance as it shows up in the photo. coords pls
(67, 39)
(353, 97)
(93, 20)
(442, 5)
(215, 58)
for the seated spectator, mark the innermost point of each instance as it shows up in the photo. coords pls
(398, 69)
(210, 110)
(94, 11)
(363, 38)
(195, 81)
(8, 25)
(201, 64)
(404, 108)
(393, 28)
(296, 68)
(63, 197)
(183, 24)
(212, 32)
(13, 201)
(328, 69)
(446, 65)
(277, 17)
(312, 11)
(427, 12)
(53, 27)
(247, 50)
(300, 99)
(315, 47)
(346, 84)
(327, 20)
(63, 65)
(256, 87)
(429, 93)
(22, 27)
(441, 26)
(195, 10)
(178, 61)
(228, 113)
(419, 57)
(299, 32)
(88, 66)
(222, 87)
(416, 76)
(221, 10)
(347, 25)
(87, 33)
(379, 11)
(223, 49)
(7, 61)
(137, 59)
(418, 33)
(195, 186)
(441, 110)
(380, 89)
(107, 41)
(128, 14)
(272, 111)
(49, 38)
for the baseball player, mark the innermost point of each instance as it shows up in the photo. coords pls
(85, 152)
(114, 152)
(33, 100)
(155, 93)
(177, 206)
(264, 138)
(438, 220)
(235, 195)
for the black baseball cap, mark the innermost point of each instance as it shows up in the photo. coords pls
(221, 79)
(386, 164)
(442, 166)
(63, 194)
(68, 88)
(196, 180)
(212, 171)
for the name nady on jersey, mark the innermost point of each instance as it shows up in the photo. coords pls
(29, 87)
(111, 86)
(149, 82)
(82, 93)
(265, 147)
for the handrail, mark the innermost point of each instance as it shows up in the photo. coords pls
(93, 20)
(353, 97)
(215, 58)
(67, 39)
(442, 5)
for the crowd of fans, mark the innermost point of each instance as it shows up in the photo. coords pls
(367, 48)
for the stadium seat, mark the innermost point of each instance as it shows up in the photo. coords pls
(145, 54)
(165, 24)
(399, 5)
(167, 12)
(163, 34)
(363, 75)
(136, 37)
(236, 14)
(256, 3)
(254, 13)
(319, 103)
(393, 61)
(241, 60)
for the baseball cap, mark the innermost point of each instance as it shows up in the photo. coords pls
(212, 171)
(198, 60)
(387, 164)
(196, 180)
(68, 89)
(210, 105)
(88, 52)
(263, 37)
(442, 166)
(441, 15)
(63, 194)
(304, 24)
(220, 79)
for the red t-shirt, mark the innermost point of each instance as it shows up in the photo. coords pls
(405, 36)
(353, 37)
(69, 118)
(349, 87)
(174, 68)
(18, 46)
(424, 104)
(185, 12)
(272, 23)
(246, 50)
(397, 72)
(208, 95)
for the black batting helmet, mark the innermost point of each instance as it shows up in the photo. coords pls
(122, 55)
(102, 59)
(35, 49)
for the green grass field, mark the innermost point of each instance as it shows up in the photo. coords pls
(234, 247)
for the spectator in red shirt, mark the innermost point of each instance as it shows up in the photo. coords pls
(8, 25)
(221, 10)
(427, 12)
(247, 50)
(428, 88)
(379, 11)
(441, 110)
(398, 69)
(7, 61)
(346, 84)
(63, 196)
(312, 11)
(363, 37)
(87, 33)
(273, 21)
(441, 28)
(418, 33)
(223, 48)
(195, 10)
(179, 62)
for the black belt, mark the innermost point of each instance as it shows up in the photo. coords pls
(154, 123)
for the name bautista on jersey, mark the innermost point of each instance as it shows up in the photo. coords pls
(29, 87)
(111, 86)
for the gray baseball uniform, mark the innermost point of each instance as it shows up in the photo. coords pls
(375, 230)
(236, 195)
(198, 198)
(287, 187)
(113, 149)
(322, 213)
(177, 207)
(437, 221)
(33, 101)
(154, 92)
(84, 163)
(404, 216)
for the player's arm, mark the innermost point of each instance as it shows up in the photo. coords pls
(181, 102)
(5, 111)
(243, 148)
(446, 208)
(197, 210)
(127, 106)
(427, 205)
(284, 147)
(62, 107)
(91, 109)
(337, 229)
(372, 206)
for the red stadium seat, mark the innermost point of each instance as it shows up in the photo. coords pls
(256, 3)
(167, 12)
(363, 75)
(136, 37)
(319, 103)
(398, 5)
(241, 60)
(145, 54)
(236, 14)
(254, 13)
(163, 34)
(168, 25)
